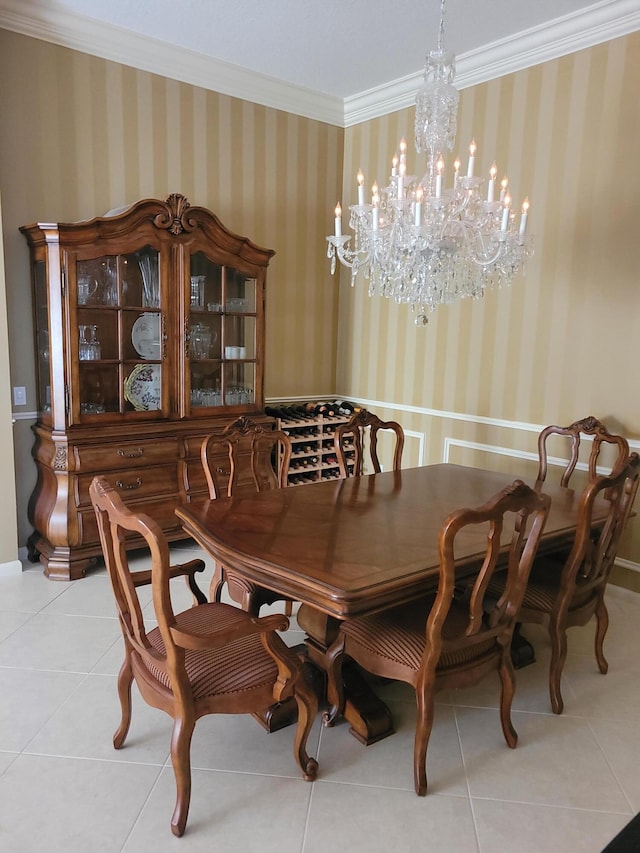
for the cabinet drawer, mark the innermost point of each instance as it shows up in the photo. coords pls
(162, 512)
(120, 454)
(132, 484)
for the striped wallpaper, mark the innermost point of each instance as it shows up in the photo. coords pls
(80, 135)
(564, 341)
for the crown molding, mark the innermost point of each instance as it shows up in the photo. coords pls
(600, 22)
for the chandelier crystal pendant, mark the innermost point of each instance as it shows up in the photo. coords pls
(421, 242)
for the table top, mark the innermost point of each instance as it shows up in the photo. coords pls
(358, 544)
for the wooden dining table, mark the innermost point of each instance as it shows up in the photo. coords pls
(356, 545)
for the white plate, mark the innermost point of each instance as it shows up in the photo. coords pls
(143, 386)
(145, 336)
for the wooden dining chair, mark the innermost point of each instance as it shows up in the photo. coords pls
(449, 640)
(246, 457)
(567, 590)
(210, 659)
(589, 426)
(349, 443)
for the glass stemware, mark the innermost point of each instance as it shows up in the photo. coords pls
(89, 349)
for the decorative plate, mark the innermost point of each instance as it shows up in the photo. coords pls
(142, 387)
(145, 336)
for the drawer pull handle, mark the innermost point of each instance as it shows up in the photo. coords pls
(131, 454)
(128, 486)
(220, 470)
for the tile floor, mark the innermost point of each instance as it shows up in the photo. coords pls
(571, 784)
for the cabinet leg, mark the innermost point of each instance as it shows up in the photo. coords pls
(33, 554)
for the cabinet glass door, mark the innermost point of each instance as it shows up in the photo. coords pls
(120, 334)
(239, 338)
(43, 343)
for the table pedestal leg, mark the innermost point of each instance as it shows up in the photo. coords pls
(369, 717)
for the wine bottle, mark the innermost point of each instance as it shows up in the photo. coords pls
(345, 407)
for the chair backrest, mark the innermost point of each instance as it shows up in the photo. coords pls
(586, 426)
(594, 549)
(256, 457)
(479, 619)
(114, 522)
(350, 437)
(270, 458)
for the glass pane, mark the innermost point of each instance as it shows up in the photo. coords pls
(204, 338)
(142, 335)
(239, 337)
(206, 385)
(97, 281)
(97, 335)
(239, 384)
(98, 388)
(42, 337)
(205, 284)
(240, 292)
(140, 278)
(143, 387)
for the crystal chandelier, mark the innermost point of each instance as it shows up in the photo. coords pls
(421, 242)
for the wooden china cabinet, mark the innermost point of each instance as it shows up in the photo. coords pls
(150, 335)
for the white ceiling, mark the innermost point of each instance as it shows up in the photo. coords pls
(323, 58)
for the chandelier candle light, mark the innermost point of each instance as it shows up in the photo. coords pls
(421, 241)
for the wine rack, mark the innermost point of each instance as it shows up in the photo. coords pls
(313, 456)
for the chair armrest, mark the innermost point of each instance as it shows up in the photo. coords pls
(187, 570)
(216, 639)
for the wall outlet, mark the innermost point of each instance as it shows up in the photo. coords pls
(19, 395)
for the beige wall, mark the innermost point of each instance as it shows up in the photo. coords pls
(80, 135)
(561, 343)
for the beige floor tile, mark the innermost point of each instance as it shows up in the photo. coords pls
(52, 641)
(621, 745)
(229, 812)
(504, 827)
(6, 759)
(111, 660)
(614, 696)
(556, 761)
(68, 804)
(10, 621)
(90, 596)
(378, 820)
(84, 725)
(29, 698)
(28, 592)
(531, 689)
(237, 742)
(389, 762)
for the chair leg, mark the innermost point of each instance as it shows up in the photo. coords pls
(335, 685)
(424, 725)
(181, 761)
(508, 682)
(558, 637)
(602, 615)
(307, 703)
(125, 680)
